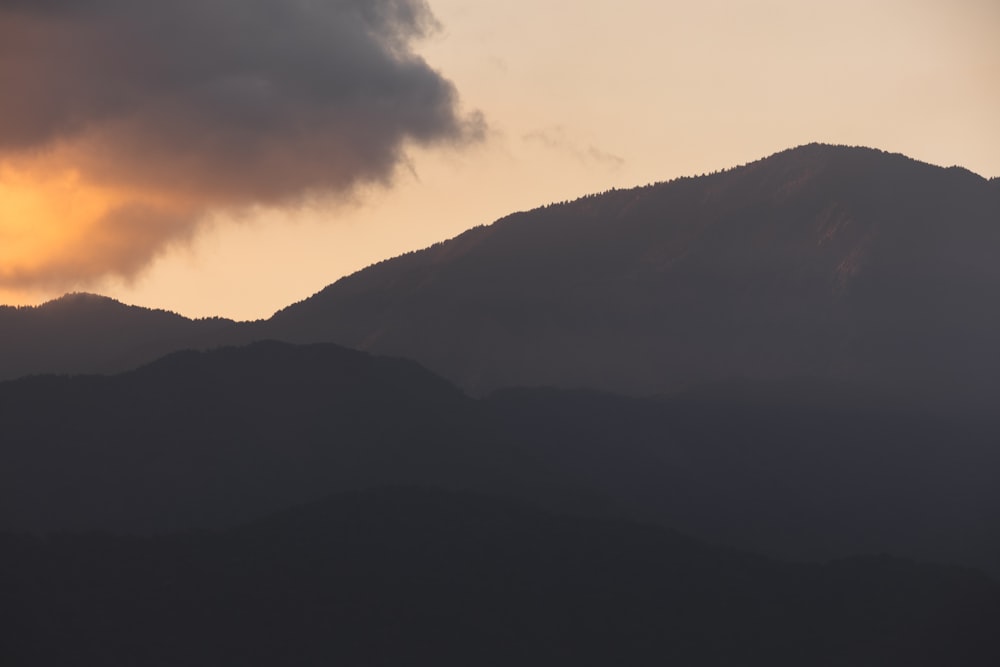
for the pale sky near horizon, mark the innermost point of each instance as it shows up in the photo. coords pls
(585, 96)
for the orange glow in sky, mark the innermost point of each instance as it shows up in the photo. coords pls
(58, 231)
(44, 218)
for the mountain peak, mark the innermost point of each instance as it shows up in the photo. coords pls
(81, 332)
(841, 262)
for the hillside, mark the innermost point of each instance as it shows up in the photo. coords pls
(821, 261)
(198, 440)
(409, 576)
(86, 333)
(209, 440)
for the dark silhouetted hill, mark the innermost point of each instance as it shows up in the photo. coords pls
(421, 577)
(86, 333)
(821, 261)
(814, 476)
(202, 440)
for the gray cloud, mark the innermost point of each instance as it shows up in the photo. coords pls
(211, 94)
(223, 102)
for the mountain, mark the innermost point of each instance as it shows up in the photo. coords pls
(199, 440)
(86, 333)
(412, 576)
(774, 334)
(204, 440)
(821, 261)
(825, 262)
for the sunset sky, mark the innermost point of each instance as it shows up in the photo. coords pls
(229, 157)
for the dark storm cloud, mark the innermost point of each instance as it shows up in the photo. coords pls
(226, 102)
(156, 112)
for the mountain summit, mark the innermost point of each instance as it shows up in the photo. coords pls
(87, 333)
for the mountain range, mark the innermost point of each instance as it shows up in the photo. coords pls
(728, 419)
(207, 440)
(824, 262)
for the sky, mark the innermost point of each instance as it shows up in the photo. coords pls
(230, 157)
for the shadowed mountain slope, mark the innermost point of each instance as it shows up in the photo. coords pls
(818, 476)
(821, 261)
(197, 440)
(408, 576)
(202, 440)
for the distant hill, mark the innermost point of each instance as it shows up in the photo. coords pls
(86, 333)
(823, 262)
(198, 440)
(410, 576)
(210, 440)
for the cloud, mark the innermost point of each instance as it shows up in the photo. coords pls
(557, 139)
(172, 109)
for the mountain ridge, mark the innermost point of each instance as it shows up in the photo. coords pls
(833, 262)
(209, 439)
(743, 240)
(82, 333)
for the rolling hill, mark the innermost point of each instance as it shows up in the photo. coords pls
(86, 333)
(207, 440)
(415, 576)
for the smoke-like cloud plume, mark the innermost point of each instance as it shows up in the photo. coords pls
(158, 112)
